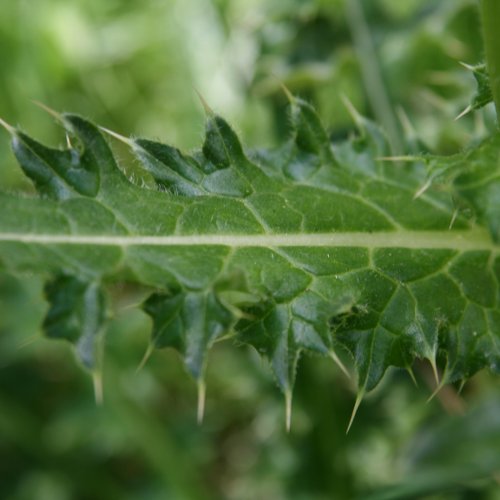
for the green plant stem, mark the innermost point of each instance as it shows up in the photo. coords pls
(490, 11)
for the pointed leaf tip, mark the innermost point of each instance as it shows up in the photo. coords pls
(404, 119)
(453, 218)
(189, 322)
(440, 382)
(359, 398)
(339, 363)
(56, 173)
(288, 409)
(222, 146)
(202, 394)
(58, 116)
(355, 114)
(412, 375)
(8, 127)
(310, 134)
(116, 135)
(423, 189)
(461, 386)
(436, 391)
(77, 313)
(470, 67)
(145, 358)
(288, 94)
(98, 388)
(466, 111)
(208, 110)
(435, 371)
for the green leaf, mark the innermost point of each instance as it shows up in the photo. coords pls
(56, 174)
(310, 136)
(189, 322)
(77, 311)
(473, 180)
(307, 248)
(483, 94)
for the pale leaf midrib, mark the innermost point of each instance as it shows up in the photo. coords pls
(453, 240)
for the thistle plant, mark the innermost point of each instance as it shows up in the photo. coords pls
(335, 249)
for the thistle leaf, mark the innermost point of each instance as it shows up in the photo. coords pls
(305, 249)
(483, 95)
(189, 322)
(77, 314)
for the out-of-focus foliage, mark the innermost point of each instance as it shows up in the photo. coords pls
(113, 60)
(133, 66)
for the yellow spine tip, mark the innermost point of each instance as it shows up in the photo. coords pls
(208, 110)
(116, 135)
(422, 189)
(466, 111)
(288, 94)
(440, 383)
(98, 387)
(467, 66)
(359, 398)
(145, 358)
(355, 114)
(288, 409)
(7, 127)
(339, 363)
(435, 392)
(412, 375)
(435, 371)
(462, 385)
(50, 111)
(202, 394)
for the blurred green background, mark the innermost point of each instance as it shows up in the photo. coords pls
(133, 66)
